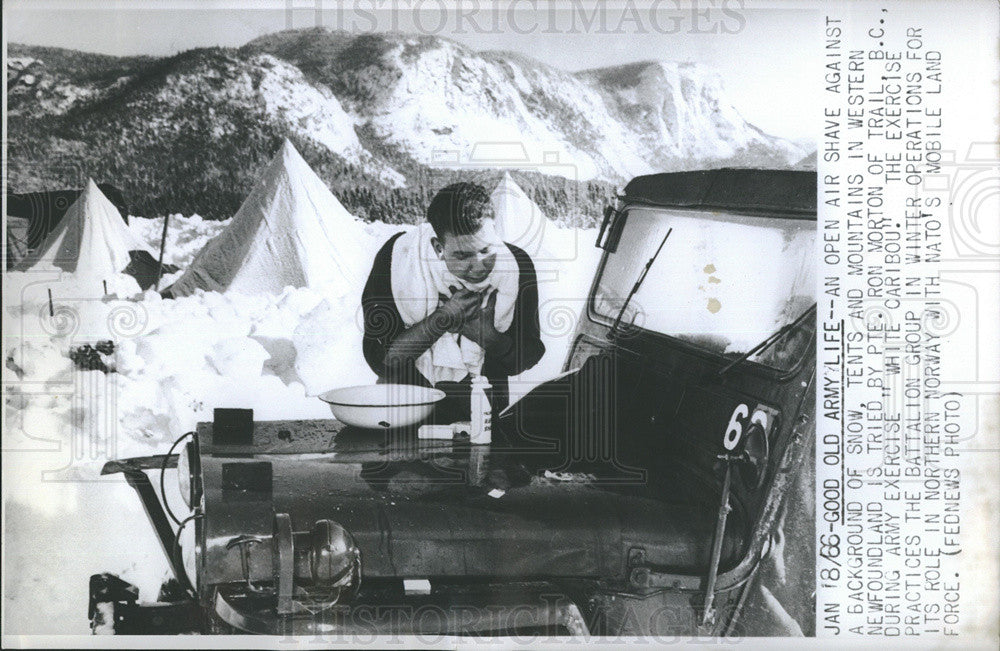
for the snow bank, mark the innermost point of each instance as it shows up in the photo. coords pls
(328, 348)
(185, 236)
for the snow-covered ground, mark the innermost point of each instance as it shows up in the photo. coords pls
(175, 361)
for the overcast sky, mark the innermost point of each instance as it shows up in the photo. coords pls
(767, 57)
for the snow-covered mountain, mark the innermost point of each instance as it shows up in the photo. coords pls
(432, 98)
(372, 113)
(680, 112)
(45, 80)
(207, 92)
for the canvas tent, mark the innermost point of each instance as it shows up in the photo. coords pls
(290, 230)
(92, 242)
(519, 219)
(18, 229)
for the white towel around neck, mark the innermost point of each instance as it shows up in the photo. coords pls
(418, 276)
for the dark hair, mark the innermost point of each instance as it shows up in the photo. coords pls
(459, 208)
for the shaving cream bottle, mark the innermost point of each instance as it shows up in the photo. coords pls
(482, 412)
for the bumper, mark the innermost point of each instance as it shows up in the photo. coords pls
(115, 610)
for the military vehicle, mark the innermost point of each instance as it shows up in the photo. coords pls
(636, 494)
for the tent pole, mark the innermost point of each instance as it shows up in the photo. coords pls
(163, 246)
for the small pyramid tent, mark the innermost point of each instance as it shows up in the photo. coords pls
(290, 230)
(91, 242)
(519, 219)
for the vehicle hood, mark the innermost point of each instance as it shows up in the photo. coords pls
(426, 509)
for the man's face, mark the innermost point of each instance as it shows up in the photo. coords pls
(470, 257)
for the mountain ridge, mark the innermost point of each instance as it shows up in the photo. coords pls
(391, 112)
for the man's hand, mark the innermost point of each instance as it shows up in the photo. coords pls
(481, 328)
(460, 308)
(456, 310)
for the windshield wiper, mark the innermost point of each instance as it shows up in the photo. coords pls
(770, 341)
(637, 285)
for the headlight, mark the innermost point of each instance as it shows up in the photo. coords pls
(327, 566)
(189, 475)
(334, 558)
(189, 552)
(190, 487)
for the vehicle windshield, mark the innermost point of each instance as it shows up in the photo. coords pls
(724, 282)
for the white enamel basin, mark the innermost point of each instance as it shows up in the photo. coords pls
(382, 406)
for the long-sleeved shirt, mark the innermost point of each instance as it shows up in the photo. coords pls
(383, 323)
